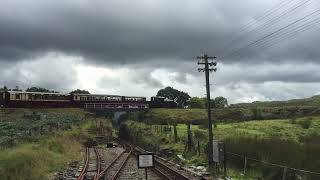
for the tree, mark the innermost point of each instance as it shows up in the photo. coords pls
(206, 102)
(5, 89)
(220, 102)
(16, 89)
(196, 102)
(179, 97)
(79, 91)
(38, 89)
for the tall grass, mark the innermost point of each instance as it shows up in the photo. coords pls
(36, 160)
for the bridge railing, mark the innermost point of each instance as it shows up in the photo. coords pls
(115, 106)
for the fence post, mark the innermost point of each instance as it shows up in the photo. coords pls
(245, 165)
(199, 148)
(284, 173)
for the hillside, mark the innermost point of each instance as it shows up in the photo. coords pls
(312, 101)
(199, 116)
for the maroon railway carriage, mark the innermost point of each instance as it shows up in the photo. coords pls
(107, 101)
(18, 99)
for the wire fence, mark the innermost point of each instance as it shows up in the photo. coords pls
(278, 171)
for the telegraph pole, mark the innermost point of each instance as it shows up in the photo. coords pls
(204, 60)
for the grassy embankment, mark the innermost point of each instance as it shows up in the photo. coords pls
(292, 142)
(239, 114)
(37, 142)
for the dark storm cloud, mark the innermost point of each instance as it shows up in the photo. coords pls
(147, 35)
(123, 32)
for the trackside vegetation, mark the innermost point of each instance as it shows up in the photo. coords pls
(290, 142)
(39, 142)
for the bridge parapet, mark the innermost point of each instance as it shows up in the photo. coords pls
(117, 106)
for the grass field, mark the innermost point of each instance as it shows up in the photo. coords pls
(284, 129)
(291, 142)
(19, 124)
(36, 160)
(37, 142)
(239, 114)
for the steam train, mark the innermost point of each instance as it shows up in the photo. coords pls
(19, 99)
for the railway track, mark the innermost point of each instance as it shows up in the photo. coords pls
(121, 163)
(167, 171)
(112, 171)
(92, 165)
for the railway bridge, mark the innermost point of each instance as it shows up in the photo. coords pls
(116, 107)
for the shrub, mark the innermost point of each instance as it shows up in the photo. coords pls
(306, 123)
(293, 121)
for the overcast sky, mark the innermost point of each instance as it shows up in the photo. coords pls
(266, 49)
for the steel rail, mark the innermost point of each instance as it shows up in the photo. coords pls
(177, 175)
(83, 172)
(122, 165)
(108, 167)
(98, 163)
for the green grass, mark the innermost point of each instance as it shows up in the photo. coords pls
(239, 114)
(17, 125)
(281, 129)
(47, 154)
(284, 141)
(27, 152)
(312, 101)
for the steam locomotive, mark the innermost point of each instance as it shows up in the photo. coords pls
(19, 99)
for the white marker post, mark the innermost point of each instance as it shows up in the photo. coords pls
(146, 160)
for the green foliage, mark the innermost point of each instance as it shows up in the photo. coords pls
(39, 89)
(79, 91)
(24, 124)
(312, 101)
(48, 154)
(199, 116)
(196, 102)
(305, 123)
(4, 89)
(15, 89)
(257, 114)
(220, 102)
(179, 97)
(277, 141)
(200, 135)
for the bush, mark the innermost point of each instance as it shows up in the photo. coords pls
(306, 123)
(293, 121)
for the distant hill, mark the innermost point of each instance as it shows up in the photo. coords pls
(312, 101)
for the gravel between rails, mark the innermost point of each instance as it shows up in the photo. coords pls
(131, 171)
(115, 167)
(109, 154)
(92, 166)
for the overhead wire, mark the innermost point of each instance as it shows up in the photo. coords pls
(307, 25)
(273, 33)
(265, 15)
(294, 31)
(270, 22)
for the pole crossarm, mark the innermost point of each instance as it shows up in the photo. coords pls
(204, 57)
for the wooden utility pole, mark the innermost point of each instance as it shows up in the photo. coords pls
(204, 60)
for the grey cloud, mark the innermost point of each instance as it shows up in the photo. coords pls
(124, 32)
(46, 72)
(145, 78)
(108, 82)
